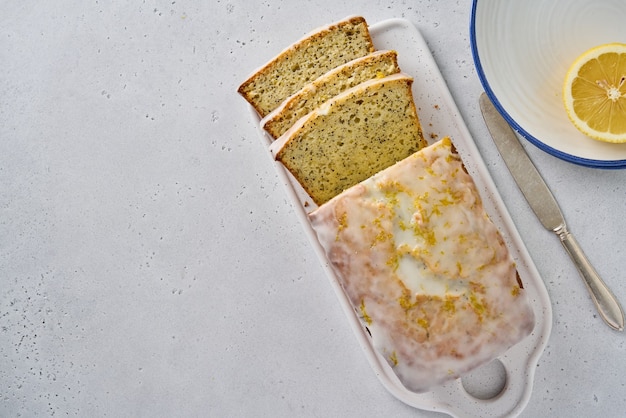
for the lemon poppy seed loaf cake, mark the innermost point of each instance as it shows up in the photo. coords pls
(375, 65)
(424, 268)
(304, 61)
(352, 136)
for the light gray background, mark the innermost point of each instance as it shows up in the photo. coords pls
(150, 262)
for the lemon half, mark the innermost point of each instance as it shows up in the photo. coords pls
(594, 93)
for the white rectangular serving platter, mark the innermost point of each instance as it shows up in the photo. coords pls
(440, 117)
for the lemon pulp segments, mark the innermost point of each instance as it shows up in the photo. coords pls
(594, 93)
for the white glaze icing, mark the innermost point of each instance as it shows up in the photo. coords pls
(425, 268)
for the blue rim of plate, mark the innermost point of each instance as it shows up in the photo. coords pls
(608, 164)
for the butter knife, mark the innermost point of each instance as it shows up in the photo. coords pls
(546, 208)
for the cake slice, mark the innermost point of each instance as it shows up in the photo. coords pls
(352, 136)
(304, 61)
(375, 65)
(424, 268)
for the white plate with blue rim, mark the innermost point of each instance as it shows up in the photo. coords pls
(522, 51)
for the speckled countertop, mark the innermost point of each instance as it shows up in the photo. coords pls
(150, 262)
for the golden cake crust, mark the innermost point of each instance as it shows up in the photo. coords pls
(304, 61)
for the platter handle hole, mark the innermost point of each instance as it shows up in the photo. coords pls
(485, 382)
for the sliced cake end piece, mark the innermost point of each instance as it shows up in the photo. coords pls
(425, 269)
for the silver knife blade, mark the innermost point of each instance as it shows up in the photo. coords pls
(523, 170)
(546, 208)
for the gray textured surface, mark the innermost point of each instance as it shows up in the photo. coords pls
(150, 263)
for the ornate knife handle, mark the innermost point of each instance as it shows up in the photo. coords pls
(605, 301)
